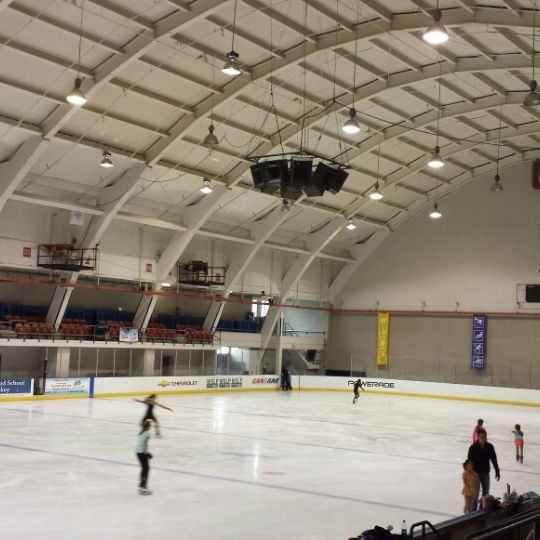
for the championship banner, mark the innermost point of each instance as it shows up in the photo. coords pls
(479, 340)
(383, 329)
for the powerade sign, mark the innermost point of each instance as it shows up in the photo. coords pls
(10, 386)
(373, 384)
(479, 341)
(224, 382)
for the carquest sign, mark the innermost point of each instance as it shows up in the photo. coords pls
(16, 387)
(265, 380)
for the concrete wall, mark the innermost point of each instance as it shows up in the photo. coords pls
(471, 259)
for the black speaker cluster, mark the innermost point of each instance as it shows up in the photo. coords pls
(291, 178)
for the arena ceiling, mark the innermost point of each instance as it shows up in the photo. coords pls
(151, 72)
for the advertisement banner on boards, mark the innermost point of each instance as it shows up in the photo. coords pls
(67, 386)
(383, 329)
(130, 335)
(10, 386)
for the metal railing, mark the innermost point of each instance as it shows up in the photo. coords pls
(423, 525)
(502, 530)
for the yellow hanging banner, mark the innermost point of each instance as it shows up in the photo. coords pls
(383, 330)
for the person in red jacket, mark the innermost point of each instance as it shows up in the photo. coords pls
(477, 429)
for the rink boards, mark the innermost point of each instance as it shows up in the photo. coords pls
(131, 386)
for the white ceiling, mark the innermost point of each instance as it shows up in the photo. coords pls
(156, 105)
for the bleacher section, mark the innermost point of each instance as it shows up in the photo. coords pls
(28, 322)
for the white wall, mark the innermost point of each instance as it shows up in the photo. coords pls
(483, 246)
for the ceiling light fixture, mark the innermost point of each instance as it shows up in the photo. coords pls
(436, 161)
(106, 160)
(206, 188)
(351, 224)
(532, 99)
(211, 139)
(76, 96)
(436, 34)
(165, 284)
(376, 194)
(497, 186)
(435, 213)
(231, 67)
(351, 126)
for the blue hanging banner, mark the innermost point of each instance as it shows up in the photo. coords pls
(479, 339)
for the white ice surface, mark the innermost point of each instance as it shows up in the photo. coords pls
(246, 465)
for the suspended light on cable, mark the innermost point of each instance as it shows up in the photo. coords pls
(206, 187)
(106, 160)
(351, 126)
(211, 139)
(532, 99)
(351, 224)
(436, 161)
(376, 195)
(497, 186)
(436, 34)
(231, 67)
(76, 96)
(435, 213)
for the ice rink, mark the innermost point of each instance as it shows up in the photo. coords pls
(247, 465)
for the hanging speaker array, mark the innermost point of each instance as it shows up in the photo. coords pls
(291, 178)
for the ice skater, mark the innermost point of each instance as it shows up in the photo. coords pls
(151, 401)
(357, 386)
(481, 454)
(144, 456)
(471, 486)
(285, 379)
(477, 429)
(518, 442)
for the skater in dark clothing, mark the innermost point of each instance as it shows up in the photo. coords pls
(481, 453)
(151, 402)
(285, 379)
(144, 456)
(356, 388)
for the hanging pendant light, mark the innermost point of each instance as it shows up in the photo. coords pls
(435, 212)
(532, 99)
(376, 194)
(436, 161)
(497, 186)
(211, 139)
(106, 160)
(206, 187)
(76, 96)
(351, 224)
(351, 126)
(231, 66)
(436, 34)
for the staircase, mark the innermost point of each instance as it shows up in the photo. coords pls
(297, 361)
